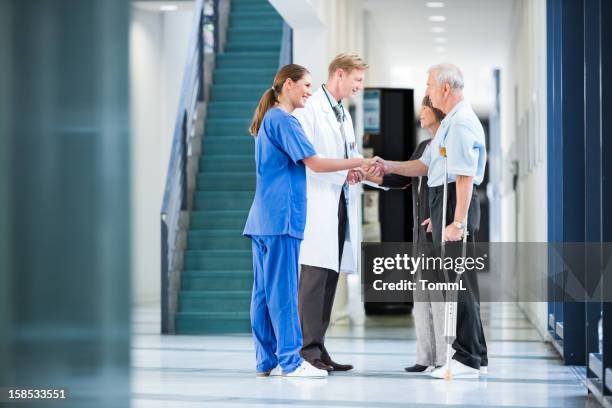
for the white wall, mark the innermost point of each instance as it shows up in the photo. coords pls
(158, 44)
(524, 96)
(321, 30)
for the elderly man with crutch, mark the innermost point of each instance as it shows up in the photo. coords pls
(454, 161)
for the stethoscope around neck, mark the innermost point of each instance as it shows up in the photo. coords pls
(338, 108)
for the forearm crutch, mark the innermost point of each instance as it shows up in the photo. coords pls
(450, 306)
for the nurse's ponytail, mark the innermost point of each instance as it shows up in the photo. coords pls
(270, 96)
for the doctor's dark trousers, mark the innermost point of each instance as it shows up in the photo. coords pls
(274, 310)
(316, 297)
(470, 345)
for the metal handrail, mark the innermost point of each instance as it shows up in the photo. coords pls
(175, 191)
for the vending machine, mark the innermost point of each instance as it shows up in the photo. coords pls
(389, 132)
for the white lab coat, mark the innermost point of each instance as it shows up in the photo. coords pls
(320, 244)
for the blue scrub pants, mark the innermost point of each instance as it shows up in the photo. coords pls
(274, 304)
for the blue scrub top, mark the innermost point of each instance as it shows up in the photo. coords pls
(279, 207)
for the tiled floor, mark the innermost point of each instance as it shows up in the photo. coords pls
(218, 371)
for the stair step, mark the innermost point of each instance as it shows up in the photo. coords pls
(238, 92)
(226, 168)
(248, 56)
(214, 301)
(229, 166)
(225, 126)
(242, 76)
(261, 6)
(244, 46)
(228, 145)
(214, 181)
(264, 34)
(218, 219)
(218, 259)
(232, 109)
(223, 200)
(217, 239)
(246, 60)
(213, 322)
(255, 19)
(217, 280)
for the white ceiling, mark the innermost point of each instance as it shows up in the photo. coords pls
(477, 34)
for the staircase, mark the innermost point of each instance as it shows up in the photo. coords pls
(217, 278)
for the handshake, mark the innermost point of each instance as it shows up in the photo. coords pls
(371, 169)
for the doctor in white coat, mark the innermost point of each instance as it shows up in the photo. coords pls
(330, 240)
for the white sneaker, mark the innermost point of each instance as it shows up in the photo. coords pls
(307, 370)
(484, 370)
(457, 370)
(276, 371)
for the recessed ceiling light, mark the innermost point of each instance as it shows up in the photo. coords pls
(440, 49)
(440, 40)
(437, 19)
(438, 29)
(434, 4)
(168, 7)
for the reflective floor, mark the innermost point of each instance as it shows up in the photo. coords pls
(218, 371)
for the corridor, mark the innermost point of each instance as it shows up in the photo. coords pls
(218, 371)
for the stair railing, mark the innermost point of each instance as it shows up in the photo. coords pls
(204, 39)
(286, 50)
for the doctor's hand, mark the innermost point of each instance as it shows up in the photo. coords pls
(373, 175)
(383, 167)
(377, 164)
(355, 176)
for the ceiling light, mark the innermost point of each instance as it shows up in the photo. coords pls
(440, 40)
(434, 4)
(437, 19)
(440, 49)
(168, 7)
(438, 29)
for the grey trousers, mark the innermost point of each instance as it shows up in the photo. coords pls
(429, 324)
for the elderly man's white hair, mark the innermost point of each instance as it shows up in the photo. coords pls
(448, 73)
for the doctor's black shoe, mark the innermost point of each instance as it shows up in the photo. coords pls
(338, 367)
(321, 365)
(417, 368)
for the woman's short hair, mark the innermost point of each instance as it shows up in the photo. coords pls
(437, 112)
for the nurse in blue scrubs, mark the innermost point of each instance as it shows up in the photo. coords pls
(276, 222)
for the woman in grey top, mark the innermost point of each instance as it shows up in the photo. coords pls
(428, 314)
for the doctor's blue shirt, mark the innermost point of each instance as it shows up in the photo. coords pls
(279, 206)
(463, 136)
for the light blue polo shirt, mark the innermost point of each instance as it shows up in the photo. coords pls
(279, 206)
(463, 136)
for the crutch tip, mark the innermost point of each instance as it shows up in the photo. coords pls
(448, 375)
